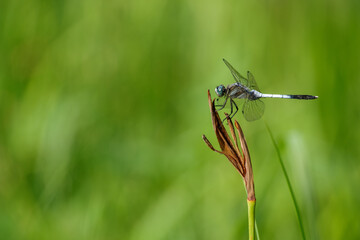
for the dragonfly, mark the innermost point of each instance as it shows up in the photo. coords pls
(247, 88)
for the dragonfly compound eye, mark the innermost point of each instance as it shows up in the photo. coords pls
(220, 90)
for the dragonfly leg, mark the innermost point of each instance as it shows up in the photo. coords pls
(222, 106)
(231, 109)
(237, 109)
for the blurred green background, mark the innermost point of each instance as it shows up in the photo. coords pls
(103, 104)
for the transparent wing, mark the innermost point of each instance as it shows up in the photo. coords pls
(253, 109)
(236, 75)
(251, 82)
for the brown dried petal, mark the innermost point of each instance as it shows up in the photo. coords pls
(230, 148)
(249, 177)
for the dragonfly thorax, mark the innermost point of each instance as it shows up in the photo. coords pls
(220, 90)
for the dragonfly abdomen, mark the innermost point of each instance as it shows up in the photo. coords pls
(303, 97)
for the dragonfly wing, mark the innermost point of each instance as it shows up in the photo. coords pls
(238, 77)
(253, 109)
(251, 82)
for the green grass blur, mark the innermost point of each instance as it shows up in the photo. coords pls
(103, 104)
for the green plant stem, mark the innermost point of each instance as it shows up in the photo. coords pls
(257, 231)
(288, 183)
(251, 218)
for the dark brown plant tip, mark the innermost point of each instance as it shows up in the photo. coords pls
(240, 159)
(209, 144)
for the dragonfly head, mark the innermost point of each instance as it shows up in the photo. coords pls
(220, 90)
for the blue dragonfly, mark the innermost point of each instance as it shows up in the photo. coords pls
(246, 88)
